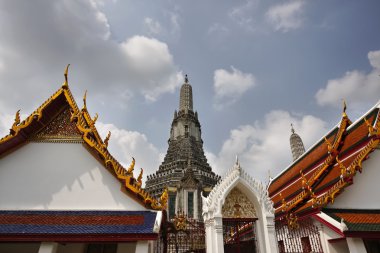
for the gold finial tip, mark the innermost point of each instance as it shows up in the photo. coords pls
(65, 84)
(344, 106)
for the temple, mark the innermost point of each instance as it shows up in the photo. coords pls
(184, 171)
(62, 191)
(327, 200)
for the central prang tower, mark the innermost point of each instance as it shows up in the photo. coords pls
(184, 171)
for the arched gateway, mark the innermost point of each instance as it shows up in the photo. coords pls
(238, 215)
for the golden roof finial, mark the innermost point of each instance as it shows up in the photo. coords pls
(371, 129)
(132, 166)
(17, 119)
(344, 108)
(139, 179)
(84, 100)
(95, 118)
(66, 83)
(107, 139)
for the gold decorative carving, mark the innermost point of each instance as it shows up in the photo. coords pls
(131, 167)
(237, 205)
(80, 121)
(59, 129)
(107, 139)
(180, 221)
(164, 198)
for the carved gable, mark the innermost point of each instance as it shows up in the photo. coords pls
(60, 129)
(237, 205)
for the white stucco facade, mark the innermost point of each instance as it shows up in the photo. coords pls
(256, 193)
(59, 176)
(365, 184)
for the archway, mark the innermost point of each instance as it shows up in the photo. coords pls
(239, 223)
(255, 192)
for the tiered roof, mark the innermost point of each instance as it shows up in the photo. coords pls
(58, 104)
(317, 177)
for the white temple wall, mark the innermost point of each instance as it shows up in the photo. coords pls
(363, 194)
(63, 176)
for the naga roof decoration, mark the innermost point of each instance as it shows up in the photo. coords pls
(61, 101)
(323, 172)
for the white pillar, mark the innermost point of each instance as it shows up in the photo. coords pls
(218, 235)
(356, 245)
(272, 239)
(209, 235)
(48, 247)
(142, 247)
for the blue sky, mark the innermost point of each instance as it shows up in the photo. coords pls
(255, 66)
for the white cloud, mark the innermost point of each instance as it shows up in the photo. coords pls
(358, 88)
(287, 16)
(152, 26)
(125, 144)
(243, 14)
(258, 144)
(229, 86)
(39, 38)
(151, 63)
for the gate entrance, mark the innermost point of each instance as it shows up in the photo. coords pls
(239, 235)
(182, 234)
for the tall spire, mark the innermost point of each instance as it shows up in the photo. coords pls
(186, 96)
(296, 144)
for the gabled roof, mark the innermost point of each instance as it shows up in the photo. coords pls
(320, 174)
(62, 101)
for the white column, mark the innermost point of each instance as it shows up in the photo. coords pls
(48, 247)
(272, 239)
(209, 235)
(142, 247)
(324, 242)
(218, 235)
(356, 245)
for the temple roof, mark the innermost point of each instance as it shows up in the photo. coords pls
(58, 104)
(77, 225)
(356, 220)
(318, 176)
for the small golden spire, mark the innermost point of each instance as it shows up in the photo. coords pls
(107, 139)
(139, 178)
(344, 108)
(66, 83)
(95, 118)
(17, 119)
(132, 166)
(84, 100)
(371, 129)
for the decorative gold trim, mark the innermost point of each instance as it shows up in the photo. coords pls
(307, 185)
(86, 126)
